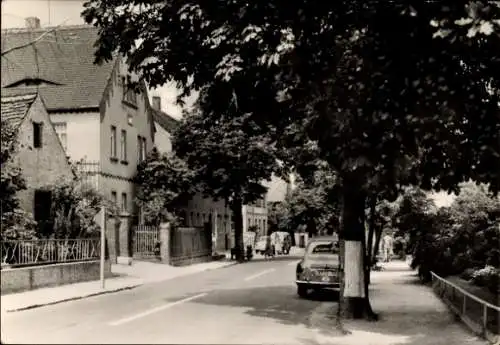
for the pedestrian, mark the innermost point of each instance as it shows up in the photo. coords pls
(269, 249)
(387, 244)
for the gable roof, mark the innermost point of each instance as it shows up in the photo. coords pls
(166, 121)
(14, 109)
(65, 60)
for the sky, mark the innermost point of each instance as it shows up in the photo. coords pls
(57, 12)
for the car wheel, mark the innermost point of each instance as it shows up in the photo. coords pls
(302, 291)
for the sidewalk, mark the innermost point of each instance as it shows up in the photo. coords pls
(126, 277)
(410, 314)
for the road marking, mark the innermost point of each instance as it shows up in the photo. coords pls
(260, 274)
(155, 310)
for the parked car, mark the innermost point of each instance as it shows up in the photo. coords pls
(319, 268)
(282, 242)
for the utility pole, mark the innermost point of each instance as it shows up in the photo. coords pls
(103, 244)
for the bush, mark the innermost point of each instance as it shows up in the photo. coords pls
(18, 225)
(487, 277)
(460, 263)
(74, 206)
(467, 273)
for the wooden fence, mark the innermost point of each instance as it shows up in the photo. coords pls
(190, 245)
(480, 316)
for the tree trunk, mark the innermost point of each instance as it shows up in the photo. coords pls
(378, 236)
(370, 314)
(236, 209)
(353, 298)
(311, 228)
(369, 249)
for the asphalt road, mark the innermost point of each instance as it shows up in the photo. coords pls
(251, 303)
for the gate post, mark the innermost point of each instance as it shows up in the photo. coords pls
(165, 243)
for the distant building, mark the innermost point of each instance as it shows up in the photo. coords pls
(39, 152)
(255, 215)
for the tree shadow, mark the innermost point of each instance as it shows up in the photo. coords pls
(280, 303)
(401, 323)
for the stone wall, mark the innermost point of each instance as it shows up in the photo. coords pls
(35, 277)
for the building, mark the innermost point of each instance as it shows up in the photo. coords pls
(199, 210)
(101, 122)
(255, 215)
(39, 153)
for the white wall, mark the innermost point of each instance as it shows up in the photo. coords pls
(163, 139)
(82, 135)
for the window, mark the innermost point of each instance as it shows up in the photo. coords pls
(123, 145)
(113, 142)
(60, 128)
(124, 202)
(129, 94)
(37, 134)
(141, 148)
(114, 198)
(324, 247)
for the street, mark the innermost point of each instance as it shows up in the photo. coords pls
(255, 302)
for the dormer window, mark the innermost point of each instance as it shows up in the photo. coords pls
(129, 94)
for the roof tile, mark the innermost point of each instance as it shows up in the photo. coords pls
(14, 109)
(65, 57)
(166, 121)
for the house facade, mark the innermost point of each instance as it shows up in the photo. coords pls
(255, 215)
(39, 153)
(102, 124)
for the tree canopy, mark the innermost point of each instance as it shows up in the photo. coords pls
(451, 239)
(165, 183)
(337, 69)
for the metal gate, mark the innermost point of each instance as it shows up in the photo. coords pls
(146, 242)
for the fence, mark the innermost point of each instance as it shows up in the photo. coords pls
(481, 316)
(190, 244)
(146, 242)
(36, 252)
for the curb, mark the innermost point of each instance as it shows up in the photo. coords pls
(34, 306)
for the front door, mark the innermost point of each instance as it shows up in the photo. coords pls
(42, 208)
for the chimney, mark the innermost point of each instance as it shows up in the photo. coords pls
(32, 23)
(156, 103)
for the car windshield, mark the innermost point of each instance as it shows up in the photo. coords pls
(323, 248)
